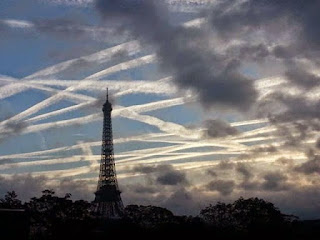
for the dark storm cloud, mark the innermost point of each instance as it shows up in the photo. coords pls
(13, 128)
(285, 162)
(258, 151)
(164, 174)
(302, 78)
(311, 166)
(275, 181)
(143, 189)
(249, 185)
(268, 14)
(292, 133)
(226, 165)
(218, 128)
(296, 107)
(283, 52)
(270, 182)
(318, 143)
(244, 170)
(249, 52)
(298, 122)
(224, 187)
(185, 53)
(172, 177)
(16, 126)
(270, 22)
(212, 173)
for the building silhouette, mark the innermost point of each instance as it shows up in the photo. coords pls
(108, 202)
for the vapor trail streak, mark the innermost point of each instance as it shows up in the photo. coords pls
(151, 106)
(249, 122)
(124, 66)
(181, 166)
(60, 95)
(78, 146)
(96, 58)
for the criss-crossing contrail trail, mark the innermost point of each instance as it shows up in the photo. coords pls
(117, 112)
(136, 161)
(78, 146)
(96, 58)
(77, 172)
(150, 106)
(60, 95)
(105, 55)
(182, 137)
(141, 154)
(91, 100)
(124, 66)
(17, 86)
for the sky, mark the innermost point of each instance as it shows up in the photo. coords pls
(212, 100)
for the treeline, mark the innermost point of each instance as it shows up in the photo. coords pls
(53, 217)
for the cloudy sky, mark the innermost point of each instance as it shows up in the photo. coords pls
(213, 100)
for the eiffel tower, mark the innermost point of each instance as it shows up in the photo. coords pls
(107, 203)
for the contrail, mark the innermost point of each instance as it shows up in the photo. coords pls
(143, 137)
(136, 87)
(132, 113)
(105, 55)
(60, 95)
(162, 125)
(161, 86)
(121, 164)
(146, 153)
(47, 102)
(14, 23)
(17, 86)
(263, 130)
(249, 122)
(98, 116)
(53, 99)
(115, 85)
(124, 66)
(139, 88)
(181, 166)
(131, 48)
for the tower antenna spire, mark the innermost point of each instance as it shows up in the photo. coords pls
(107, 94)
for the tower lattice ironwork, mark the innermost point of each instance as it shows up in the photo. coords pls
(108, 202)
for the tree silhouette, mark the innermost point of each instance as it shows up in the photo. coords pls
(148, 216)
(243, 214)
(53, 216)
(11, 201)
(219, 215)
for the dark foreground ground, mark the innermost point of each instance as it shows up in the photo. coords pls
(16, 225)
(50, 217)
